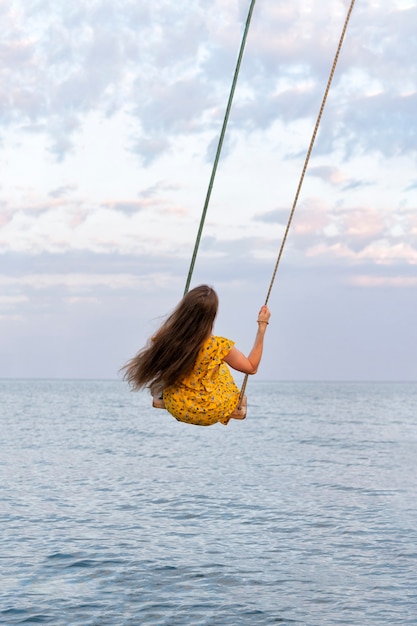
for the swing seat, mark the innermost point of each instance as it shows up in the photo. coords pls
(239, 413)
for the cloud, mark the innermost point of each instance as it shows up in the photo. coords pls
(336, 177)
(384, 281)
(354, 234)
(328, 173)
(23, 292)
(392, 131)
(7, 301)
(64, 61)
(411, 186)
(276, 216)
(69, 221)
(71, 281)
(62, 191)
(127, 207)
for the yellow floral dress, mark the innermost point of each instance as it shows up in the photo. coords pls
(208, 394)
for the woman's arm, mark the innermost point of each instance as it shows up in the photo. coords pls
(250, 364)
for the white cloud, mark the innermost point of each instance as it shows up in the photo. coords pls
(79, 281)
(65, 61)
(384, 281)
(330, 174)
(6, 301)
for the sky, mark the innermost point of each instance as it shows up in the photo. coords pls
(110, 114)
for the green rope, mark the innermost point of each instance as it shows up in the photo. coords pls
(219, 146)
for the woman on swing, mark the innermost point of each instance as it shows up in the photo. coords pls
(187, 365)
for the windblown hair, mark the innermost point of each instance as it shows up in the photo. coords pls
(173, 350)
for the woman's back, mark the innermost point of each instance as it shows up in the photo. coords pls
(208, 394)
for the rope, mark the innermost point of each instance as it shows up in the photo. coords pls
(219, 146)
(307, 159)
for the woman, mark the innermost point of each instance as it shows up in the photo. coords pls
(188, 366)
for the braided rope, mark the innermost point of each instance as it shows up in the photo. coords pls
(307, 159)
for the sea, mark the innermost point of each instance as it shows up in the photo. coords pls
(113, 513)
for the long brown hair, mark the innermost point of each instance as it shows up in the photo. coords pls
(173, 350)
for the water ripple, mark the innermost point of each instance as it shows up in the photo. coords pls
(114, 514)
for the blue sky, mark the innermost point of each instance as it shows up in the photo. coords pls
(110, 114)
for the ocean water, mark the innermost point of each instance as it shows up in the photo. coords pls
(112, 513)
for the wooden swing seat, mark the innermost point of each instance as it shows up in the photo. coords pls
(239, 413)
